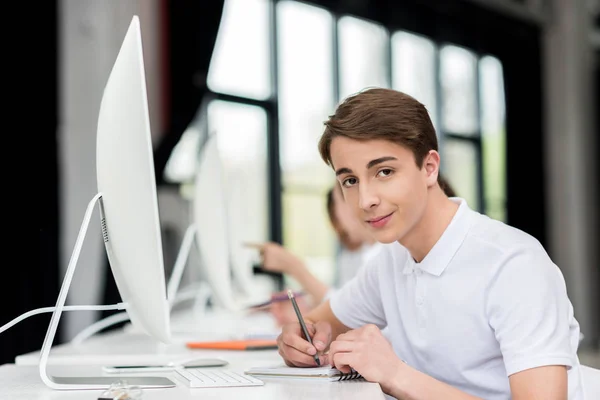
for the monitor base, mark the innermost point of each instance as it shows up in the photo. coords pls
(82, 382)
(104, 382)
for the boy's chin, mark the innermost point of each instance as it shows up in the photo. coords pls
(386, 237)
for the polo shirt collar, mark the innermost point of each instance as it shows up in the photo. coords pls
(438, 258)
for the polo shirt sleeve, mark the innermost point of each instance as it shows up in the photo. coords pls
(528, 309)
(358, 302)
(329, 293)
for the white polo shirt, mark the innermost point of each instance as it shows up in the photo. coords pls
(350, 262)
(485, 303)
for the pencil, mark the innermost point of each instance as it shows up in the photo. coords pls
(302, 324)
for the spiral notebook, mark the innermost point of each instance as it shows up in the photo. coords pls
(324, 373)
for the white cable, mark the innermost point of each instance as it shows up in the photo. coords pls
(173, 296)
(98, 326)
(119, 306)
(189, 293)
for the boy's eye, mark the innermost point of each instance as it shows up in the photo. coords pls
(349, 182)
(385, 172)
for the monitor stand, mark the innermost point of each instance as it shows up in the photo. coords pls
(85, 382)
(180, 262)
(201, 293)
(207, 290)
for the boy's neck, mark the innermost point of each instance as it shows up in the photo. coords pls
(437, 216)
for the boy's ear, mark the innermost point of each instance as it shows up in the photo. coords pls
(431, 165)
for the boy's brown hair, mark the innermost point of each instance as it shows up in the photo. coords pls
(378, 113)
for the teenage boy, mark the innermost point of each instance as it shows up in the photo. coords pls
(474, 308)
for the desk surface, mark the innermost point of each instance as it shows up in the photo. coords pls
(23, 383)
(22, 380)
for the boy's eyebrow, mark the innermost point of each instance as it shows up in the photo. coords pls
(343, 171)
(376, 161)
(370, 164)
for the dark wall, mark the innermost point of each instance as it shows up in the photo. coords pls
(29, 279)
(190, 34)
(598, 144)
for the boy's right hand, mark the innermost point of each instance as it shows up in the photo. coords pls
(296, 351)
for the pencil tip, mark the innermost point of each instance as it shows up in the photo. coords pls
(318, 361)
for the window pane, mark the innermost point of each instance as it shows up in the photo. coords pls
(460, 168)
(305, 101)
(241, 132)
(458, 70)
(493, 137)
(309, 234)
(413, 69)
(363, 55)
(305, 91)
(240, 63)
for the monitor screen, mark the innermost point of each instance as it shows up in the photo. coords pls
(126, 181)
(210, 219)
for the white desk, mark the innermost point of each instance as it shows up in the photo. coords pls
(21, 380)
(23, 383)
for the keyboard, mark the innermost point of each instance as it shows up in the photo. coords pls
(215, 377)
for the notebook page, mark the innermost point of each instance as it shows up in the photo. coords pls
(326, 372)
(282, 369)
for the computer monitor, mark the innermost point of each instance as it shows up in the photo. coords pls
(125, 174)
(226, 269)
(228, 273)
(243, 257)
(210, 218)
(128, 208)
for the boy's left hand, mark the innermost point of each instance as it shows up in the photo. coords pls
(368, 352)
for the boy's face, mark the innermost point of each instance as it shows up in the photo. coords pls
(382, 184)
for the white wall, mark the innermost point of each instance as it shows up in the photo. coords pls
(90, 35)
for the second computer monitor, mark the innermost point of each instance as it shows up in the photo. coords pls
(210, 218)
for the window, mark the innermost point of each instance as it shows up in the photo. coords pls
(242, 143)
(240, 63)
(459, 91)
(318, 58)
(414, 69)
(363, 55)
(306, 98)
(473, 139)
(460, 168)
(460, 144)
(493, 133)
